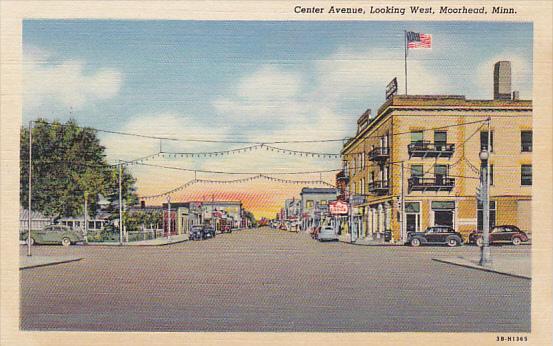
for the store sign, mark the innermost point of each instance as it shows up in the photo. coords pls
(437, 205)
(338, 207)
(357, 200)
(391, 89)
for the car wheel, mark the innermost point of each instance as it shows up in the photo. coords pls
(517, 241)
(479, 241)
(32, 241)
(415, 242)
(452, 242)
(66, 241)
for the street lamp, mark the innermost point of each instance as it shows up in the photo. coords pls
(485, 256)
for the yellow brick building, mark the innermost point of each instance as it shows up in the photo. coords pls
(436, 141)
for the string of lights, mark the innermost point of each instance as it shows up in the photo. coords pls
(234, 181)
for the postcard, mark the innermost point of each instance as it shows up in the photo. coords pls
(276, 172)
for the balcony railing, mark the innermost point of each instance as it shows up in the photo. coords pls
(428, 149)
(379, 187)
(379, 154)
(437, 183)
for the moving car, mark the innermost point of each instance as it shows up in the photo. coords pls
(327, 233)
(435, 235)
(500, 234)
(196, 232)
(54, 234)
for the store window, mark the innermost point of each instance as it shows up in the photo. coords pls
(526, 175)
(309, 204)
(526, 141)
(480, 214)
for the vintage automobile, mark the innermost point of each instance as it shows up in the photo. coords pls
(209, 232)
(226, 229)
(435, 235)
(197, 232)
(327, 233)
(508, 234)
(54, 234)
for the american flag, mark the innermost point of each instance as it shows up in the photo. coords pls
(418, 40)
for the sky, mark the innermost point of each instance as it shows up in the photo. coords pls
(252, 81)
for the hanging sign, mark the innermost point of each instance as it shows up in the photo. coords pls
(338, 207)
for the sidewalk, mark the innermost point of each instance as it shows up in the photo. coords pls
(152, 242)
(516, 266)
(365, 242)
(26, 262)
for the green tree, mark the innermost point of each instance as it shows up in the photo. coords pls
(68, 163)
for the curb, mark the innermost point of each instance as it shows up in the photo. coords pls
(50, 264)
(491, 270)
(383, 244)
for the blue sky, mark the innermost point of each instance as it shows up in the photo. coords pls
(250, 80)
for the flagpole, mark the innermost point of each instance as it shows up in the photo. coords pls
(405, 46)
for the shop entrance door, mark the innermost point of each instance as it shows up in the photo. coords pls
(413, 222)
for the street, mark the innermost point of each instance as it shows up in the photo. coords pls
(271, 280)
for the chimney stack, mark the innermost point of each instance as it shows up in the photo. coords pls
(502, 80)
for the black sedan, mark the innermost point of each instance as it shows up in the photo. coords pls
(435, 235)
(197, 232)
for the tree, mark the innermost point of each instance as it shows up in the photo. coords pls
(68, 163)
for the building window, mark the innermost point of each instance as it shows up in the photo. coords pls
(480, 215)
(323, 202)
(526, 175)
(309, 204)
(484, 140)
(416, 137)
(440, 139)
(526, 141)
(416, 171)
(491, 174)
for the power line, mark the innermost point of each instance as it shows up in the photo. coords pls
(236, 173)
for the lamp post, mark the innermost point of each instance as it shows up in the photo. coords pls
(485, 256)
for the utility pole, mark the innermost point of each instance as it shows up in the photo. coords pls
(85, 219)
(29, 217)
(402, 206)
(168, 217)
(485, 258)
(120, 207)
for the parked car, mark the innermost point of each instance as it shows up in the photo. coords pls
(226, 229)
(434, 235)
(209, 232)
(327, 233)
(196, 232)
(500, 234)
(54, 234)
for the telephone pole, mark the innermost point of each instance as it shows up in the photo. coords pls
(29, 217)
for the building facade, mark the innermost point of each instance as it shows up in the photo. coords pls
(314, 204)
(424, 150)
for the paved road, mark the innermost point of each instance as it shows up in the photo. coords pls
(268, 280)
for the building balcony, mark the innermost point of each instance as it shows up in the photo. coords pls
(379, 187)
(428, 149)
(431, 184)
(379, 154)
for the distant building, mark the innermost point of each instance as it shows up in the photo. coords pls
(502, 80)
(314, 204)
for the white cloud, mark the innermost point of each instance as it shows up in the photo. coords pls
(347, 74)
(521, 76)
(65, 83)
